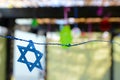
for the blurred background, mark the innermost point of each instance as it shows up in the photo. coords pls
(65, 22)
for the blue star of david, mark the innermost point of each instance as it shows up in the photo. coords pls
(22, 58)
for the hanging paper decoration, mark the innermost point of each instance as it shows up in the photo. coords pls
(100, 11)
(76, 32)
(34, 23)
(105, 25)
(66, 10)
(65, 35)
(105, 35)
(23, 51)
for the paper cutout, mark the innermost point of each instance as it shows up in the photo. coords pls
(22, 58)
(100, 11)
(105, 25)
(66, 36)
(34, 23)
(76, 32)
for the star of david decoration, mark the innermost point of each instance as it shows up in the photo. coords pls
(30, 47)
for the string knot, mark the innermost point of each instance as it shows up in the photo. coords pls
(68, 45)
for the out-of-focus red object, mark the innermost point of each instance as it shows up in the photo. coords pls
(105, 25)
(83, 34)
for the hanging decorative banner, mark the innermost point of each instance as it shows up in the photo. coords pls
(65, 35)
(23, 51)
(31, 47)
(105, 25)
(34, 23)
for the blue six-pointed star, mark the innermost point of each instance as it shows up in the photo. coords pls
(22, 58)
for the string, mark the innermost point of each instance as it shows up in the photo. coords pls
(100, 11)
(90, 30)
(66, 10)
(68, 45)
(76, 15)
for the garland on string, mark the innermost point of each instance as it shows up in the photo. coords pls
(30, 47)
(68, 45)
